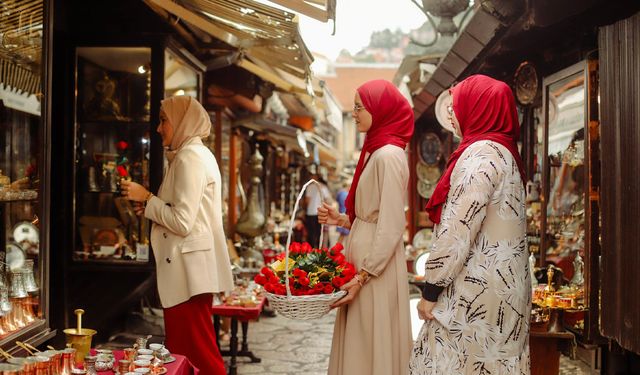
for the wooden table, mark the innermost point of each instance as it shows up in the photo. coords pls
(545, 348)
(244, 315)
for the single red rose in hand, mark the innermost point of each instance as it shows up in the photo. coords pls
(122, 145)
(122, 171)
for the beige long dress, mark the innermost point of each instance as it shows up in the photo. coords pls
(372, 335)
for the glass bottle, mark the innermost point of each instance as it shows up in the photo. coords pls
(29, 278)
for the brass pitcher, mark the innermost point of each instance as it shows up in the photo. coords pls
(80, 339)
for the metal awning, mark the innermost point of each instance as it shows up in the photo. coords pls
(268, 39)
(322, 10)
(483, 27)
(282, 134)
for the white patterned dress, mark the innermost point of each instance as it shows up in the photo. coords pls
(479, 256)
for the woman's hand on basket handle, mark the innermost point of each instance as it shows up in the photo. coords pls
(352, 288)
(328, 215)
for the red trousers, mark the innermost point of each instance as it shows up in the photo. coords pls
(189, 332)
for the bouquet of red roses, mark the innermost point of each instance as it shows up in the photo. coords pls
(311, 271)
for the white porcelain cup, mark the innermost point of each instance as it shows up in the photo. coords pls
(145, 352)
(164, 354)
(146, 357)
(156, 347)
(141, 363)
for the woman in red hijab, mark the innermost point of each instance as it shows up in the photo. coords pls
(477, 299)
(372, 333)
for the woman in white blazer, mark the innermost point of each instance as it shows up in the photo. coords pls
(187, 235)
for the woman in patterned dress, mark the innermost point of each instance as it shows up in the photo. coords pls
(477, 299)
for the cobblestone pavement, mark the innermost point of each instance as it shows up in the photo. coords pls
(297, 347)
(289, 346)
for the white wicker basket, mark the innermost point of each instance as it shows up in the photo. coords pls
(301, 307)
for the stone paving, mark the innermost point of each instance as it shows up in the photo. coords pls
(297, 347)
(289, 346)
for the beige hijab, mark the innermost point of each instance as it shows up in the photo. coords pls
(189, 120)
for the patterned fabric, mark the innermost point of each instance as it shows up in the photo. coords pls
(479, 256)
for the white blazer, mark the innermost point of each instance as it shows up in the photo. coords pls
(187, 236)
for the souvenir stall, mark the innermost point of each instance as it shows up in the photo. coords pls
(552, 67)
(107, 104)
(25, 81)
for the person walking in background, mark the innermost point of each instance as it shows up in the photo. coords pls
(341, 198)
(372, 334)
(477, 300)
(187, 236)
(313, 199)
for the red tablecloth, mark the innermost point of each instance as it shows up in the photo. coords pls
(181, 366)
(240, 312)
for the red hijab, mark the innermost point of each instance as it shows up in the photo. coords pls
(392, 124)
(486, 110)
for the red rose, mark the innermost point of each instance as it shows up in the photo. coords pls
(303, 281)
(339, 258)
(260, 279)
(280, 256)
(349, 271)
(306, 248)
(294, 247)
(299, 273)
(122, 171)
(337, 248)
(266, 271)
(328, 289)
(122, 145)
(337, 282)
(271, 288)
(273, 279)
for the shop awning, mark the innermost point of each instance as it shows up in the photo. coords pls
(483, 27)
(282, 134)
(322, 10)
(327, 153)
(267, 38)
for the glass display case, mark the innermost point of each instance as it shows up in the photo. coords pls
(114, 133)
(569, 244)
(113, 101)
(24, 223)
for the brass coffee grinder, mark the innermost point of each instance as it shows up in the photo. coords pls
(80, 339)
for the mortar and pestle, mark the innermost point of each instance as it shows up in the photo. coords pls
(80, 339)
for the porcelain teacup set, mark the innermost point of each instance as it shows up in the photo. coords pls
(142, 360)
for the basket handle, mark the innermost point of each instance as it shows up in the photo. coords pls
(293, 217)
